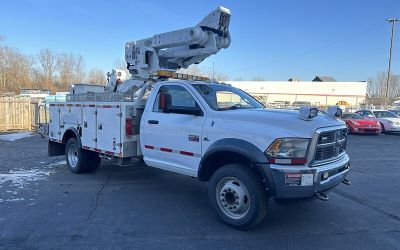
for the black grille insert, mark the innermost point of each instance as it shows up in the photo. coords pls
(330, 144)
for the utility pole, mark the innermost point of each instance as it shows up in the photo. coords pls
(213, 73)
(393, 22)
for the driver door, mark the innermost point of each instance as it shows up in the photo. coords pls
(171, 132)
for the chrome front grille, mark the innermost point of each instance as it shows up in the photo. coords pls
(326, 137)
(330, 144)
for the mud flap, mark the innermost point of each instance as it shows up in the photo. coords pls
(55, 148)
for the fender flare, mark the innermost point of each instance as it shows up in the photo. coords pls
(77, 136)
(246, 149)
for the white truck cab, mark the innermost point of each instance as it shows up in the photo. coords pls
(210, 131)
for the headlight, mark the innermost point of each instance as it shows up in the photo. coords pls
(355, 123)
(288, 148)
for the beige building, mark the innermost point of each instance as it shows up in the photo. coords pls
(297, 93)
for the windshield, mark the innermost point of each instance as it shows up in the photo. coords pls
(223, 97)
(384, 114)
(352, 116)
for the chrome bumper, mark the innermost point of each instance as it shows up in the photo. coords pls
(294, 181)
(393, 129)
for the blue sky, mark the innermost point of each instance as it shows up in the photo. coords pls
(276, 40)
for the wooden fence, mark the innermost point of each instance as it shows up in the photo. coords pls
(18, 113)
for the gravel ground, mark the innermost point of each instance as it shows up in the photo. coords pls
(43, 205)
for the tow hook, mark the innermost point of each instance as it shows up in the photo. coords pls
(346, 181)
(322, 196)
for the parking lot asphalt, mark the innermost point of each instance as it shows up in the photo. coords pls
(43, 205)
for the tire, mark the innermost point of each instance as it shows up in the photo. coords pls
(383, 131)
(78, 159)
(238, 196)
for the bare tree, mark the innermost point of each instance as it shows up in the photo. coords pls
(79, 69)
(96, 76)
(71, 69)
(2, 65)
(16, 69)
(48, 65)
(377, 85)
(121, 64)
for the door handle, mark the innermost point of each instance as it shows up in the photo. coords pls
(152, 121)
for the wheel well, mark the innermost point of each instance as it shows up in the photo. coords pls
(219, 159)
(67, 135)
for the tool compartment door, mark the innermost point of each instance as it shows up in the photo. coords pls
(108, 128)
(71, 114)
(54, 122)
(89, 121)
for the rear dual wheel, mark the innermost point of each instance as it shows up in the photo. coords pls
(80, 160)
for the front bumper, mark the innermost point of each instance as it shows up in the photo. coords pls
(366, 130)
(294, 181)
(392, 128)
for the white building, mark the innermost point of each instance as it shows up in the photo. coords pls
(282, 93)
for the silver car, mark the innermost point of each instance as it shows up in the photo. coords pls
(388, 120)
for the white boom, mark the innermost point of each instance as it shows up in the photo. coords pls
(174, 50)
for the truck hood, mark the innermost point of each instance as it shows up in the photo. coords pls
(283, 123)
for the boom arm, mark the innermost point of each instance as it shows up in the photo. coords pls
(181, 48)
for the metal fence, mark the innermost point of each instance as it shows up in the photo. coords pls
(18, 113)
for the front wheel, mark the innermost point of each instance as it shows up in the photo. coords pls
(383, 131)
(238, 196)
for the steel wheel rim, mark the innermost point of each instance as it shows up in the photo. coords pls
(72, 155)
(233, 197)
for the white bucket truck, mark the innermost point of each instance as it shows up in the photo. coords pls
(210, 131)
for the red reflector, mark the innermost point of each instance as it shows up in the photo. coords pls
(166, 150)
(128, 126)
(186, 153)
(300, 161)
(148, 147)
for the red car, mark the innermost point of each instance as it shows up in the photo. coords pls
(357, 124)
